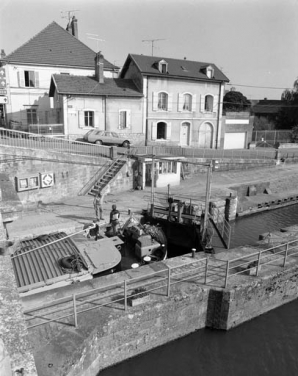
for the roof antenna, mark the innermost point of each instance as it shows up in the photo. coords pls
(95, 37)
(152, 42)
(68, 14)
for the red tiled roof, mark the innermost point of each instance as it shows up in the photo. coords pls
(176, 68)
(54, 46)
(82, 85)
(268, 106)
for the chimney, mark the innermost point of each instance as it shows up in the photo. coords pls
(99, 68)
(72, 27)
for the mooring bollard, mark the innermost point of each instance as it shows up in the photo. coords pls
(193, 252)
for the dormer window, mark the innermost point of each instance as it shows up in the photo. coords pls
(208, 71)
(163, 66)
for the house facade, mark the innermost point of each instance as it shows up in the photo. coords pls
(29, 69)
(182, 100)
(109, 104)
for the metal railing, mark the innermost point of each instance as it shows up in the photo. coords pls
(121, 293)
(272, 136)
(222, 225)
(261, 154)
(277, 256)
(204, 271)
(36, 141)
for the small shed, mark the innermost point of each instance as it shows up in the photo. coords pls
(167, 170)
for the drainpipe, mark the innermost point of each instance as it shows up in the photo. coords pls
(146, 130)
(105, 112)
(218, 117)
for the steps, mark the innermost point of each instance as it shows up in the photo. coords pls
(107, 176)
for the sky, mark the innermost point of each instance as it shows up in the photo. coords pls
(254, 42)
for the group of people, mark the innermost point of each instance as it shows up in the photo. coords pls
(114, 214)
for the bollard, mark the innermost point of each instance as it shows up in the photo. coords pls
(193, 252)
(129, 212)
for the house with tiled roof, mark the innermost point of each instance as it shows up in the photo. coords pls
(182, 99)
(86, 103)
(265, 113)
(29, 69)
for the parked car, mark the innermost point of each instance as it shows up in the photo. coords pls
(106, 138)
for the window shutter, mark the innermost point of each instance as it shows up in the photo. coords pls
(154, 101)
(21, 78)
(194, 103)
(128, 119)
(96, 119)
(36, 76)
(153, 130)
(202, 103)
(215, 103)
(180, 102)
(170, 102)
(169, 131)
(81, 119)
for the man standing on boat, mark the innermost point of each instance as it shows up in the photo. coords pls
(97, 203)
(114, 219)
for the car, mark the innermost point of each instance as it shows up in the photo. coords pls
(98, 137)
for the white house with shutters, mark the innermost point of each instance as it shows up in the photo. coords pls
(29, 69)
(182, 100)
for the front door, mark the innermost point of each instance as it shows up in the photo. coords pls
(184, 137)
(205, 136)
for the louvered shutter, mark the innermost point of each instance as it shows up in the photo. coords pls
(153, 130)
(81, 119)
(128, 119)
(154, 101)
(215, 103)
(36, 77)
(180, 102)
(96, 119)
(202, 103)
(169, 131)
(194, 103)
(170, 102)
(21, 78)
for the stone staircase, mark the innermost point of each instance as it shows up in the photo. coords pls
(107, 176)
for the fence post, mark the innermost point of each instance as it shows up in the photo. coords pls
(75, 310)
(206, 270)
(169, 282)
(259, 258)
(125, 295)
(227, 273)
(286, 254)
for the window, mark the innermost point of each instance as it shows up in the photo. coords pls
(209, 103)
(210, 72)
(89, 118)
(187, 102)
(124, 119)
(167, 167)
(31, 116)
(161, 131)
(30, 80)
(162, 101)
(163, 66)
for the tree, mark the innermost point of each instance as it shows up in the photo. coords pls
(287, 117)
(235, 101)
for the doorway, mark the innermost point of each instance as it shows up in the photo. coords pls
(184, 136)
(205, 136)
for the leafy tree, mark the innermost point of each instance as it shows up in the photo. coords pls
(287, 117)
(235, 101)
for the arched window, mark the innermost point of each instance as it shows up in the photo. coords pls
(209, 103)
(162, 101)
(187, 102)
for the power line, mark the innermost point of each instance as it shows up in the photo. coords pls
(259, 87)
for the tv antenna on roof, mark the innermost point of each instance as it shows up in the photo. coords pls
(68, 13)
(152, 42)
(95, 37)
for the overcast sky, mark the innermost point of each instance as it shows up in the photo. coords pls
(254, 42)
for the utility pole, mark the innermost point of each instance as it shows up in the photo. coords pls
(208, 194)
(152, 43)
